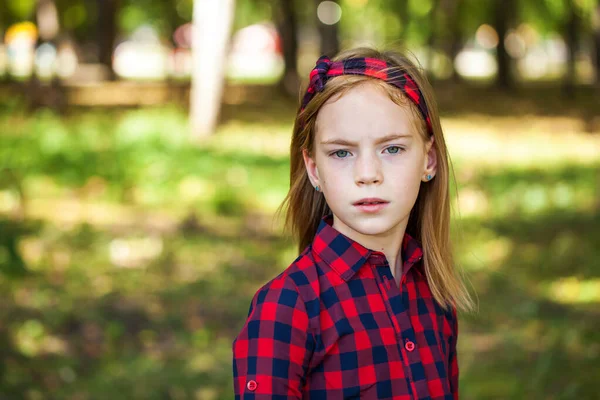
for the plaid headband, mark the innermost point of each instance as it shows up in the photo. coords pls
(374, 67)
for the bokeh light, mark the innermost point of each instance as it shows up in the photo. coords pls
(487, 37)
(329, 12)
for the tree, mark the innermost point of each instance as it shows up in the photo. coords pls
(596, 40)
(328, 34)
(434, 32)
(504, 17)
(452, 10)
(571, 29)
(287, 22)
(212, 28)
(107, 32)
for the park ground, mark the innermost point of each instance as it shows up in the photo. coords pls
(128, 256)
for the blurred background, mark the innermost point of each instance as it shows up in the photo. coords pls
(139, 176)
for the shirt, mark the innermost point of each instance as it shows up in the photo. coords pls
(335, 325)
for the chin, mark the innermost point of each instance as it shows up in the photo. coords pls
(371, 225)
(374, 227)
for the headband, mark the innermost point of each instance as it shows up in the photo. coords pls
(374, 67)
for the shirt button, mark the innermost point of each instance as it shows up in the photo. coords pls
(252, 385)
(409, 346)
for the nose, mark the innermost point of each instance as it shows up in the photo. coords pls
(367, 170)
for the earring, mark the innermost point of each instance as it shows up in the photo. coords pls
(317, 188)
(428, 177)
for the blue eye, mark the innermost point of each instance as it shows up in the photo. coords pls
(341, 153)
(394, 149)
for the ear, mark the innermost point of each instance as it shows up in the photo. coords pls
(311, 168)
(430, 164)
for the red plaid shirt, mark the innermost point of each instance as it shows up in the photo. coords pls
(335, 325)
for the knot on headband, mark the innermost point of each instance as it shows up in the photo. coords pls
(373, 67)
(318, 78)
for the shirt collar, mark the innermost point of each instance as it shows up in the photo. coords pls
(346, 256)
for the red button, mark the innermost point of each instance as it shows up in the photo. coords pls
(252, 385)
(410, 346)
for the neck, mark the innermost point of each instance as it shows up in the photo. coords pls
(389, 242)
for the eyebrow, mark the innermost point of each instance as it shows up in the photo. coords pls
(344, 142)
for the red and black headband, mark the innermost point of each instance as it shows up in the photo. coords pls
(374, 67)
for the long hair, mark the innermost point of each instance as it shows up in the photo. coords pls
(429, 220)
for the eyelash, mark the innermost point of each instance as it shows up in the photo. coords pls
(400, 150)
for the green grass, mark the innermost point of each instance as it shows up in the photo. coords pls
(128, 257)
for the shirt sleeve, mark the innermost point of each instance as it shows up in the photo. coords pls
(272, 352)
(453, 359)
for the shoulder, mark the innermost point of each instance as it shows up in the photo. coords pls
(294, 287)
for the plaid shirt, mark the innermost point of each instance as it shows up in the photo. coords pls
(334, 325)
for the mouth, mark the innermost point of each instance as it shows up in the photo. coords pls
(371, 205)
(370, 202)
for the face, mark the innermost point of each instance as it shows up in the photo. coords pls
(367, 151)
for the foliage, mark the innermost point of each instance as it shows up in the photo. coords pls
(79, 16)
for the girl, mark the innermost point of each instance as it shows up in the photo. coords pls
(368, 309)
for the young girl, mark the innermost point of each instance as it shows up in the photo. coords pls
(368, 309)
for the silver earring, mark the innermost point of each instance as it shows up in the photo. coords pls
(317, 188)
(428, 177)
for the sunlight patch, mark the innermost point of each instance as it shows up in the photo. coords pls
(574, 291)
(134, 252)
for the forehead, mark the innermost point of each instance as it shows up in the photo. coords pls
(365, 112)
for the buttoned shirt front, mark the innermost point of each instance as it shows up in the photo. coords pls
(335, 325)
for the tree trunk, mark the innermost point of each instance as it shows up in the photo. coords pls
(287, 25)
(596, 42)
(504, 17)
(571, 30)
(107, 32)
(432, 37)
(330, 44)
(452, 10)
(212, 27)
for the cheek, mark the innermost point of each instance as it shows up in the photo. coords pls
(407, 167)
(329, 171)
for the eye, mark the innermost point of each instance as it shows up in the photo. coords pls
(340, 153)
(394, 149)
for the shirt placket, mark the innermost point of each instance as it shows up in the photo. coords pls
(396, 299)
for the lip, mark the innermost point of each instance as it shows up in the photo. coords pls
(371, 208)
(370, 200)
